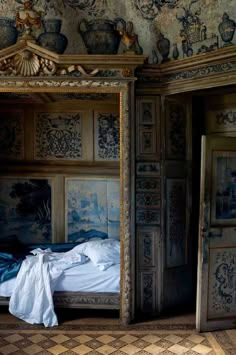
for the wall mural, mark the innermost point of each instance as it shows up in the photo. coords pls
(177, 28)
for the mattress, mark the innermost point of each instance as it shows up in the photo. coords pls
(81, 278)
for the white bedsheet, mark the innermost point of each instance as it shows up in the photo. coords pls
(82, 278)
(32, 296)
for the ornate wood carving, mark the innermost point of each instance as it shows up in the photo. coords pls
(148, 200)
(148, 287)
(90, 300)
(175, 131)
(148, 216)
(176, 222)
(81, 300)
(148, 184)
(148, 239)
(27, 63)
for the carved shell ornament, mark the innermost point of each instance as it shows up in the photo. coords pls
(26, 63)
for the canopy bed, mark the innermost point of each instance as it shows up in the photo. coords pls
(27, 68)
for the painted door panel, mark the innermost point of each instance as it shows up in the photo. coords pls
(216, 286)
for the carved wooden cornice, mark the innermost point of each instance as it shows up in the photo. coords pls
(212, 69)
(27, 59)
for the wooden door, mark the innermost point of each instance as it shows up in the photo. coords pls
(216, 285)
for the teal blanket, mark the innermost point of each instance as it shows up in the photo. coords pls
(9, 265)
(10, 262)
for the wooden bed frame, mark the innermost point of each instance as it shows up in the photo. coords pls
(90, 300)
(84, 74)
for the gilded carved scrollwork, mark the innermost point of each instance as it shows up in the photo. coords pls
(27, 63)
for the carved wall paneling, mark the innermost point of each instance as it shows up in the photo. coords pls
(58, 133)
(147, 240)
(148, 126)
(148, 204)
(12, 134)
(175, 120)
(148, 300)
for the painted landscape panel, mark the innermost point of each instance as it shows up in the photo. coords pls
(26, 209)
(92, 209)
(224, 188)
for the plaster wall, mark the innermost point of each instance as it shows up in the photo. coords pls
(150, 19)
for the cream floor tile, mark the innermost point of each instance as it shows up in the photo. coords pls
(201, 349)
(232, 334)
(33, 349)
(151, 338)
(106, 339)
(197, 339)
(57, 349)
(83, 338)
(13, 338)
(128, 338)
(8, 349)
(81, 349)
(106, 349)
(178, 349)
(154, 349)
(61, 338)
(130, 349)
(173, 338)
(37, 338)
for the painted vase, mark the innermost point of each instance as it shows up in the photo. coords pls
(8, 32)
(100, 36)
(227, 29)
(52, 39)
(163, 46)
(175, 52)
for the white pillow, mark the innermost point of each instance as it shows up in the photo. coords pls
(103, 253)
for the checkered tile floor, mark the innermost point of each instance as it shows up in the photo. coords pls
(114, 342)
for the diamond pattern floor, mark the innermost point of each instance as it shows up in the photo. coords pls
(110, 342)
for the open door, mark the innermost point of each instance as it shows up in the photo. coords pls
(216, 286)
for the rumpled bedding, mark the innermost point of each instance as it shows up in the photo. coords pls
(32, 297)
(12, 256)
(9, 265)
